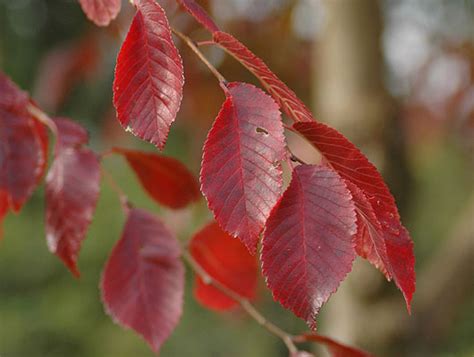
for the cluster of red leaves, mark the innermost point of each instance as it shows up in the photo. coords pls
(310, 234)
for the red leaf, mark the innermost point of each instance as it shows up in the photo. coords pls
(241, 176)
(354, 167)
(143, 282)
(307, 247)
(148, 84)
(71, 134)
(336, 349)
(72, 190)
(284, 96)
(227, 261)
(24, 145)
(101, 12)
(165, 179)
(3, 209)
(199, 14)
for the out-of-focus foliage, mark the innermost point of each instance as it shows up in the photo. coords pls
(49, 48)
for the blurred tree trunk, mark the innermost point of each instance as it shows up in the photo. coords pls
(350, 95)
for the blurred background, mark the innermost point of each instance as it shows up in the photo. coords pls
(395, 76)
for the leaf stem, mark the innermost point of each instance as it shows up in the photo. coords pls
(43, 118)
(125, 202)
(244, 302)
(191, 44)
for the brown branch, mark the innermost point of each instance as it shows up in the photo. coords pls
(244, 303)
(190, 43)
(44, 118)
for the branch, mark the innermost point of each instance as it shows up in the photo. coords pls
(190, 43)
(245, 303)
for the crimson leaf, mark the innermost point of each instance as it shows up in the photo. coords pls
(165, 179)
(199, 14)
(72, 190)
(227, 261)
(307, 247)
(3, 209)
(283, 95)
(336, 349)
(143, 281)
(354, 167)
(148, 84)
(101, 12)
(23, 148)
(241, 175)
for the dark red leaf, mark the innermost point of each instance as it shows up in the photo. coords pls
(227, 261)
(336, 349)
(71, 134)
(62, 68)
(3, 209)
(143, 282)
(12, 97)
(284, 96)
(24, 145)
(72, 190)
(354, 167)
(241, 175)
(199, 14)
(165, 179)
(101, 12)
(148, 84)
(307, 247)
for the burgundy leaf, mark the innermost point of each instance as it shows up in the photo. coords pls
(71, 134)
(307, 247)
(12, 97)
(336, 349)
(165, 179)
(149, 80)
(23, 147)
(143, 282)
(199, 14)
(227, 261)
(284, 96)
(72, 190)
(241, 175)
(354, 167)
(101, 12)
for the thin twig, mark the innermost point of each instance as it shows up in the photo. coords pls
(125, 202)
(190, 43)
(245, 303)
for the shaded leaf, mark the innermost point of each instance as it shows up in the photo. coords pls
(241, 176)
(199, 14)
(335, 348)
(227, 261)
(72, 190)
(149, 80)
(143, 281)
(71, 134)
(23, 145)
(284, 96)
(165, 179)
(354, 167)
(101, 12)
(307, 247)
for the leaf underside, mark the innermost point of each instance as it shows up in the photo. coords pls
(241, 175)
(72, 191)
(23, 146)
(143, 281)
(101, 12)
